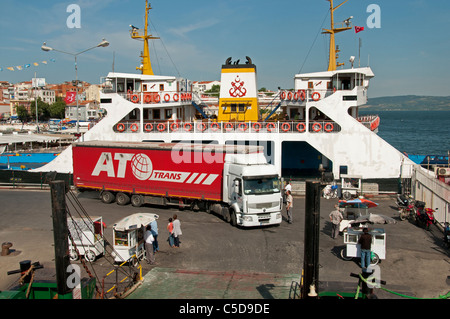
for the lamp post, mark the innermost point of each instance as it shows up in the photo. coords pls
(46, 48)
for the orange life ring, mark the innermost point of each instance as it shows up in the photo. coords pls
(167, 97)
(157, 98)
(243, 127)
(161, 127)
(134, 127)
(120, 127)
(283, 95)
(147, 98)
(302, 95)
(296, 96)
(176, 97)
(148, 127)
(285, 127)
(214, 126)
(315, 96)
(187, 127)
(201, 127)
(289, 96)
(303, 127)
(228, 126)
(174, 127)
(256, 127)
(328, 127)
(135, 98)
(271, 127)
(317, 127)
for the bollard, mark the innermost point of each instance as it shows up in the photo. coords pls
(5, 249)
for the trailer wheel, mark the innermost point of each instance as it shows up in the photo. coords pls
(73, 255)
(122, 199)
(89, 255)
(347, 195)
(226, 214)
(137, 200)
(375, 259)
(107, 197)
(344, 254)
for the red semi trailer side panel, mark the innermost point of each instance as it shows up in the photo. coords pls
(147, 168)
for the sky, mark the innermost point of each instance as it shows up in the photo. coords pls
(408, 50)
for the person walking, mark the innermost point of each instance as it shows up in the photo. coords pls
(148, 238)
(335, 218)
(154, 226)
(289, 205)
(365, 240)
(287, 187)
(170, 229)
(176, 231)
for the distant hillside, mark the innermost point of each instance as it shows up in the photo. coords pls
(409, 103)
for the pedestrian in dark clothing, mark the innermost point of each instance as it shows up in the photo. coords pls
(365, 240)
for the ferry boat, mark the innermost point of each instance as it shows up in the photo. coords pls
(307, 132)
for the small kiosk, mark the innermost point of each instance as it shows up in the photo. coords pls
(353, 250)
(351, 186)
(128, 237)
(87, 235)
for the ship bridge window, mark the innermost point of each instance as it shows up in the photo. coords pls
(156, 114)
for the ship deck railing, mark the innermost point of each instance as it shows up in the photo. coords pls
(372, 122)
(281, 127)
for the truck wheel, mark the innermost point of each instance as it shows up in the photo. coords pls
(107, 197)
(122, 199)
(233, 218)
(89, 255)
(347, 195)
(226, 214)
(137, 200)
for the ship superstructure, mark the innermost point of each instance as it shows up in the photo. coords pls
(311, 129)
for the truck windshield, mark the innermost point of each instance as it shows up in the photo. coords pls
(261, 185)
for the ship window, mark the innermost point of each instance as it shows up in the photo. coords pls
(168, 113)
(233, 108)
(161, 87)
(241, 107)
(144, 87)
(156, 114)
(310, 85)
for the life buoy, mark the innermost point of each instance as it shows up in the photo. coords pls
(302, 95)
(176, 97)
(285, 127)
(187, 127)
(135, 98)
(134, 127)
(201, 127)
(317, 127)
(120, 127)
(174, 127)
(147, 98)
(167, 97)
(296, 96)
(256, 127)
(157, 98)
(228, 126)
(328, 127)
(301, 127)
(283, 95)
(243, 127)
(289, 96)
(315, 96)
(270, 127)
(214, 126)
(161, 127)
(148, 127)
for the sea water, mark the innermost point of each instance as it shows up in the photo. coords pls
(415, 132)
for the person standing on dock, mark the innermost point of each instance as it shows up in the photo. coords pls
(365, 240)
(335, 218)
(148, 237)
(176, 230)
(289, 205)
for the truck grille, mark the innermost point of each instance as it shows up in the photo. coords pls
(264, 205)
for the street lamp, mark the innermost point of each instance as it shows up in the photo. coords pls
(46, 48)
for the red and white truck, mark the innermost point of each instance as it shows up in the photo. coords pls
(233, 181)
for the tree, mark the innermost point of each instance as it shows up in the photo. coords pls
(58, 109)
(22, 113)
(215, 91)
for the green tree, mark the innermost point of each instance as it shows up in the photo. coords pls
(22, 113)
(58, 109)
(215, 91)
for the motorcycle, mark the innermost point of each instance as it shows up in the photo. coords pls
(405, 206)
(424, 216)
(447, 234)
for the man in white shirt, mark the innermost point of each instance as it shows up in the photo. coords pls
(148, 237)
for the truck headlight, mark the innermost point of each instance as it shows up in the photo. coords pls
(248, 218)
(278, 216)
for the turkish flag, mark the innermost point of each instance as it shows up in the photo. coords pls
(70, 97)
(358, 29)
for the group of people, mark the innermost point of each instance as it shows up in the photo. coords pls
(151, 237)
(336, 217)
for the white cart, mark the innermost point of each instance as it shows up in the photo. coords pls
(87, 235)
(351, 186)
(128, 237)
(353, 250)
